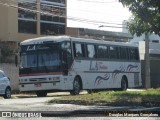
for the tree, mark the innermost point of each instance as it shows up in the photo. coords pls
(6, 54)
(146, 16)
(146, 19)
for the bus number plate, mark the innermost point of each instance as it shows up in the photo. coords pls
(37, 84)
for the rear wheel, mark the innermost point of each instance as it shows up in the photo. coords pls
(76, 87)
(123, 84)
(92, 91)
(7, 94)
(41, 94)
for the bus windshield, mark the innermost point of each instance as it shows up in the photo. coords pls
(41, 59)
(45, 59)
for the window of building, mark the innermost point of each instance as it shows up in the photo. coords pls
(53, 13)
(27, 9)
(27, 27)
(27, 16)
(59, 1)
(52, 29)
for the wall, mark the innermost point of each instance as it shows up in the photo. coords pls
(3, 22)
(154, 73)
(73, 32)
(22, 36)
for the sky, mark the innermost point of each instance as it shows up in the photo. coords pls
(95, 13)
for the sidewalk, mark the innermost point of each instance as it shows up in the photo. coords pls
(112, 111)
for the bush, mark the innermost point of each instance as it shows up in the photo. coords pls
(6, 55)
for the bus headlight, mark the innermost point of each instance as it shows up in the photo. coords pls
(22, 80)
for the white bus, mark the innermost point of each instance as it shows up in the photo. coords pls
(63, 63)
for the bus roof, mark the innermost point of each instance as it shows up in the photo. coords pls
(49, 39)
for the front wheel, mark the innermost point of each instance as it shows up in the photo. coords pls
(41, 94)
(76, 87)
(7, 94)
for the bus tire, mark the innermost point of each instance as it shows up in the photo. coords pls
(89, 91)
(92, 91)
(41, 94)
(124, 84)
(76, 87)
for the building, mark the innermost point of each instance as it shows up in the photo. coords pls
(98, 34)
(24, 19)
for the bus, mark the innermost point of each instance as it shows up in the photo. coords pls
(63, 63)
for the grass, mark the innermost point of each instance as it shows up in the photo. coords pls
(150, 97)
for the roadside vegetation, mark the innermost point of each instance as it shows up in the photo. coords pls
(150, 97)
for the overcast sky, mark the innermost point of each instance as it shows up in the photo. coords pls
(93, 13)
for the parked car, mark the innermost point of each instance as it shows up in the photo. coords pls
(5, 88)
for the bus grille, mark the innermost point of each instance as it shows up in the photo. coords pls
(37, 79)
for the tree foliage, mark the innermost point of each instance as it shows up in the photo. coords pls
(146, 16)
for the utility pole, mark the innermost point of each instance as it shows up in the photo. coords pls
(147, 62)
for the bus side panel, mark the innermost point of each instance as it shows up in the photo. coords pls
(106, 74)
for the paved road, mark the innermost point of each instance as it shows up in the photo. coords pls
(35, 104)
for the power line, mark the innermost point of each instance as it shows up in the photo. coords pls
(96, 1)
(70, 18)
(46, 8)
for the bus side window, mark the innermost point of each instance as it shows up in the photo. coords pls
(102, 51)
(134, 55)
(112, 52)
(91, 51)
(123, 53)
(117, 52)
(79, 50)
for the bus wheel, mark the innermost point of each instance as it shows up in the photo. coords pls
(76, 87)
(91, 91)
(41, 94)
(123, 84)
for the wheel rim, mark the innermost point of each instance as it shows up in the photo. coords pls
(8, 93)
(124, 85)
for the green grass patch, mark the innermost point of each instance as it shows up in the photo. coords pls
(150, 97)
